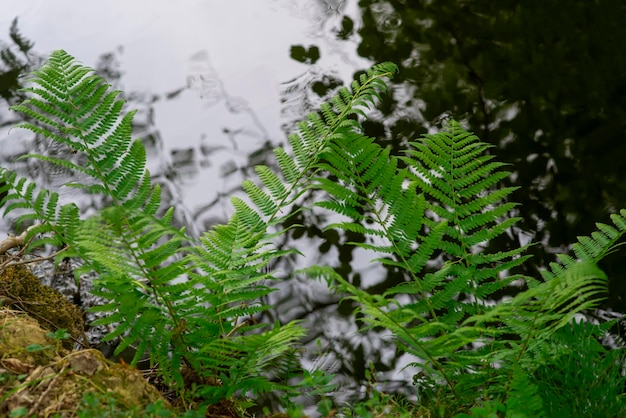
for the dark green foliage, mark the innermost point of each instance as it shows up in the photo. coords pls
(585, 379)
(445, 203)
(14, 61)
(192, 303)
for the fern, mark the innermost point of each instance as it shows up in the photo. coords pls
(430, 213)
(233, 257)
(126, 244)
(445, 204)
(388, 205)
(188, 303)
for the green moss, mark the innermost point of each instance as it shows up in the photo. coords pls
(20, 289)
(18, 332)
(44, 382)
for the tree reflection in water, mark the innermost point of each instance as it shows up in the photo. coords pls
(542, 82)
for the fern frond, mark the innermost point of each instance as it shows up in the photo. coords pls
(246, 362)
(75, 108)
(593, 248)
(133, 251)
(443, 202)
(571, 287)
(51, 223)
(536, 314)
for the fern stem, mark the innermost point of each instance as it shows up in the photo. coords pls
(332, 129)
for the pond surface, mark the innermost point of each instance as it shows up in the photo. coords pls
(219, 84)
(214, 81)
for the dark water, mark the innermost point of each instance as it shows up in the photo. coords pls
(545, 84)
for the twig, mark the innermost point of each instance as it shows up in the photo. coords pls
(13, 241)
(34, 260)
(17, 241)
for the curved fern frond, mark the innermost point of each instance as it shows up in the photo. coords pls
(51, 223)
(442, 202)
(73, 107)
(569, 288)
(593, 248)
(314, 134)
(132, 250)
(235, 247)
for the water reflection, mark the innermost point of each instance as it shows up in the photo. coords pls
(198, 174)
(552, 101)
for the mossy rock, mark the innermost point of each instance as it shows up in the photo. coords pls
(23, 343)
(20, 289)
(41, 376)
(49, 380)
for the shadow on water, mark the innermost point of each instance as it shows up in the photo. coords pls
(549, 93)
